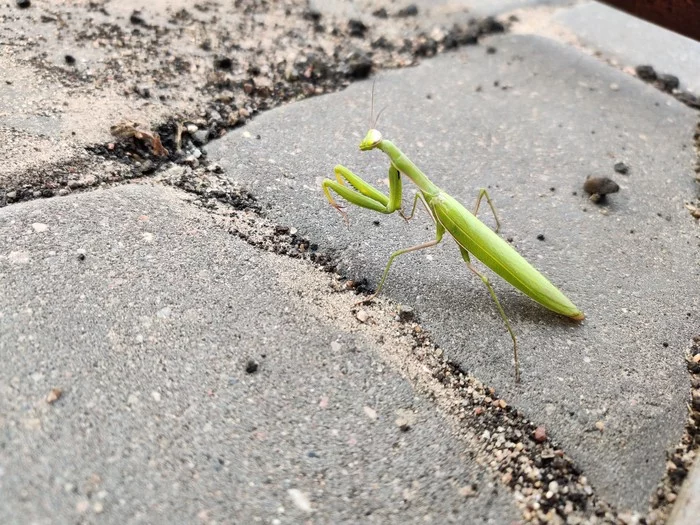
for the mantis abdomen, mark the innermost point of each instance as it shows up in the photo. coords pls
(479, 240)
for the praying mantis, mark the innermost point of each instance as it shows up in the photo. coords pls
(471, 235)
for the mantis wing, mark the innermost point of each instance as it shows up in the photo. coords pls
(479, 240)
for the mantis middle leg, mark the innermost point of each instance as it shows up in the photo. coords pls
(418, 197)
(485, 280)
(438, 237)
(483, 193)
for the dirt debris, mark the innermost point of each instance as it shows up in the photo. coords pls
(668, 84)
(545, 483)
(520, 454)
(130, 130)
(200, 70)
(681, 458)
(599, 187)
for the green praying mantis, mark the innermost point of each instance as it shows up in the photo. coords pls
(471, 235)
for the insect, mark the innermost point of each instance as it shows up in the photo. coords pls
(471, 235)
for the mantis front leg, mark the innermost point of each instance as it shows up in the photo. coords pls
(363, 194)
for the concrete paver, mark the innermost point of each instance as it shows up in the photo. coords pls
(145, 315)
(530, 122)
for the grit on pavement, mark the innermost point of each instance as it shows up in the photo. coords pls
(179, 327)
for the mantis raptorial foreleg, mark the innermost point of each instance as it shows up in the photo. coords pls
(363, 194)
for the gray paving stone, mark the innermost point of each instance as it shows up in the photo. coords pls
(149, 338)
(530, 122)
(633, 41)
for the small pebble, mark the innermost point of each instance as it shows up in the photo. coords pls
(223, 63)
(370, 413)
(251, 367)
(23, 4)
(362, 316)
(540, 237)
(540, 435)
(409, 10)
(646, 73)
(300, 500)
(54, 395)
(356, 28)
(406, 313)
(621, 167)
(405, 420)
(598, 187)
(668, 82)
(467, 491)
(137, 19)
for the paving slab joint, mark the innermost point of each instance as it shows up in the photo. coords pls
(181, 137)
(518, 451)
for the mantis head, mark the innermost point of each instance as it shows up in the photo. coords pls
(373, 137)
(371, 140)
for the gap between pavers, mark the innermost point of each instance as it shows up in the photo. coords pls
(530, 122)
(633, 42)
(146, 314)
(429, 12)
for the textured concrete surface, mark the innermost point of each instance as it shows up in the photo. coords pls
(149, 339)
(633, 42)
(530, 122)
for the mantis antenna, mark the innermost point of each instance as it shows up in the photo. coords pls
(372, 119)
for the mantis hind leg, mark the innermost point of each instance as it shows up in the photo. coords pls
(483, 193)
(438, 237)
(485, 280)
